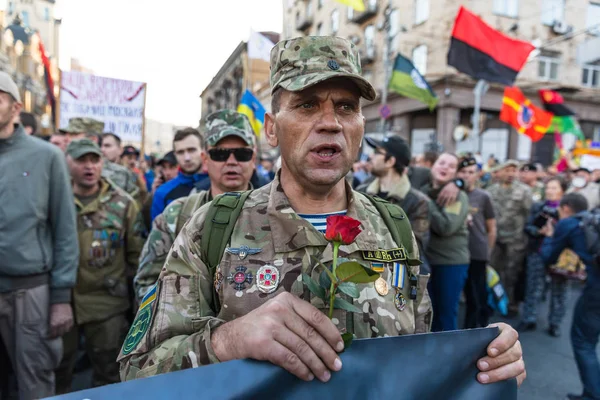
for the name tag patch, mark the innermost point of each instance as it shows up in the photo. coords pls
(385, 255)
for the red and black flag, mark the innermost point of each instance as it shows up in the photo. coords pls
(482, 52)
(554, 103)
(48, 79)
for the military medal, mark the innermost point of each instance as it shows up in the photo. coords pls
(239, 278)
(381, 286)
(399, 275)
(399, 300)
(243, 251)
(267, 279)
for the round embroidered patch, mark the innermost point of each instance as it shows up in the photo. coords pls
(138, 329)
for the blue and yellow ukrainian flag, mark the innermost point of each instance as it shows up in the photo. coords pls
(251, 108)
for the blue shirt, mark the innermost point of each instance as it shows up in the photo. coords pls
(149, 176)
(180, 186)
(568, 234)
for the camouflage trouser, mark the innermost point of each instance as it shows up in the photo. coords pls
(507, 260)
(103, 340)
(536, 273)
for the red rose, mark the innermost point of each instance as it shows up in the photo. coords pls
(342, 229)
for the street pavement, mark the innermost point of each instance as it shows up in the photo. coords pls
(551, 369)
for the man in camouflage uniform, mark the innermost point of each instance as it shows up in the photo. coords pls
(110, 240)
(512, 204)
(226, 131)
(528, 175)
(389, 163)
(194, 317)
(119, 175)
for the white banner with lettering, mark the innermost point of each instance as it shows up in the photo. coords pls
(118, 103)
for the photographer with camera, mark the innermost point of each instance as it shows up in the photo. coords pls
(572, 232)
(542, 214)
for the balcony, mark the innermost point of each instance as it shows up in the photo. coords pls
(371, 7)
(368, 54)
(304, 22)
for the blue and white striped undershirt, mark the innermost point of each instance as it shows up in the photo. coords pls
(319, 221)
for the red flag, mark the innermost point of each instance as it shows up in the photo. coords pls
(482, 52)
(48, 79)
(527, 119)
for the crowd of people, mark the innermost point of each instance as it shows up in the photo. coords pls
(92, 230)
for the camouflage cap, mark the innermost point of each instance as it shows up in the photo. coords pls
(80, 147)
(223, 123)
(84, 125)
(305, 61)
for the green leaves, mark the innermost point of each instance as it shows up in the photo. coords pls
(344, 305)
(347, 338)
(324, 280)
(350, 289)
(314, 287)
(352, 271)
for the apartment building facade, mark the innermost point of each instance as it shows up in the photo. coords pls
(567, 60)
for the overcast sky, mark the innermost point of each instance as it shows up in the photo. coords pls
(176, 46)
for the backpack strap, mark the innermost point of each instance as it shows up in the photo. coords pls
(220, 220)
(187, 209)
(396, 221)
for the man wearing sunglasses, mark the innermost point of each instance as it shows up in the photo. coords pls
(230, 161)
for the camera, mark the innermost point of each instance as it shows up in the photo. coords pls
(547, 213)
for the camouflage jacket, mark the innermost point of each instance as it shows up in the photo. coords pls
(110, 230)
(123, 178)
(511, 205)
(160, 240)
(414, 203)
(173, 327)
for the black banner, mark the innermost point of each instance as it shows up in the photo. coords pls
(428, 366)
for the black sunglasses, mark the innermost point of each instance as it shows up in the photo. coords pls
(242, 154)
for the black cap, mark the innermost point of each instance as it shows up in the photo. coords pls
(529, 167)
(394, 146)
(169, 157)
(466, 162)
(581, 169)
(129, 150)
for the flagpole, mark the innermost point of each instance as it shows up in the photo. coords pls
(387, 28)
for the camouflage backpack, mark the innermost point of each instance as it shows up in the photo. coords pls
(225, 209)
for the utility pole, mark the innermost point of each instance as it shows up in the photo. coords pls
(387, 54)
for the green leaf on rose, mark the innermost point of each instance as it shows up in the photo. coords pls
(327, 270)
(314, 287)
(350, 289)
(352, 271)
(347, 338)
(344, 305)
(324, 280)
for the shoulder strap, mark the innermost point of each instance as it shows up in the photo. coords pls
(220, 220)
(187, 209)
(396, 221)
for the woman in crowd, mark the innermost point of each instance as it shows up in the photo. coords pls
(541, 212)
(448, 249)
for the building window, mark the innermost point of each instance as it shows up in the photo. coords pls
(309, 9)
(46, 14)
(548, 67)
(319, 4)
(11, 8)
(593, 18)
(25, 18)
(507, 8)
(419, 58)
(350, 13)
(395, 28)
(421, 11)
(370, 40)
(319, 31)
(553, 11)
(335, 22)
(591, 76)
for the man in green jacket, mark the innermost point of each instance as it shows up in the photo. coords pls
(38, 250)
